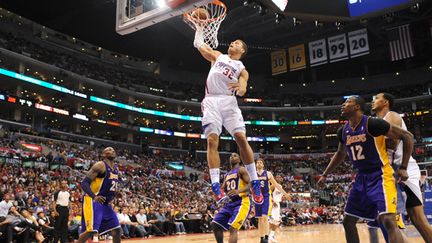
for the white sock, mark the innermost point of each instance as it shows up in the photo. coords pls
(272, 234)
(251, 169)
(215, 175)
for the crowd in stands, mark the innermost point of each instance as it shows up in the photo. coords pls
(156, 200)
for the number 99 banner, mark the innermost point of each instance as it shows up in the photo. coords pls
(338, 48)
(279, 64)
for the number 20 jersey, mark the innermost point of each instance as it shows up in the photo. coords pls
(224, 71)
(366, 152)
(106, 186)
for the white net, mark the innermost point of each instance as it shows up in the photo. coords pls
(208, 27)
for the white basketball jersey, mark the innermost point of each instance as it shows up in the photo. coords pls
(224, 71)
(277, 196)
(396, 156)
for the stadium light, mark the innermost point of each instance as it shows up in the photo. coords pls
(279, 18)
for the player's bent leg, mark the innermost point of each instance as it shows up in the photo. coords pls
(85, 236)
(245, 149)
(419, 220)
(233, 235)
(214, 164)
(373, 235)
(246, 154)
(390, 225)
(272, 235)
(351, 233)
(116, 235)
(218, 232)
(212, 151)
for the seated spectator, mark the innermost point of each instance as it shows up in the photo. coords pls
(46, 225)
(150, 228)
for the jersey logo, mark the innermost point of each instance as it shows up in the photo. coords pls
(355, 139)
(113, 176)
(232, 176)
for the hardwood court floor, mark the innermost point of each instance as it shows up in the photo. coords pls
(331, 233)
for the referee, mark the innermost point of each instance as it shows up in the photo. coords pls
(60, 207)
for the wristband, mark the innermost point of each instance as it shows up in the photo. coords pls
(199, 39)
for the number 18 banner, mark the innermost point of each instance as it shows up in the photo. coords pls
(338, 48)
(317, 52)
(359, 44)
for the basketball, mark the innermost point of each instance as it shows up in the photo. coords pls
(200, 13)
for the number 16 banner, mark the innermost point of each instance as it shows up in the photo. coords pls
(297, 57)
(358, 42)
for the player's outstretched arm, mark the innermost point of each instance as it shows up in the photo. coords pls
(244, 175)
(274, 183)
(240, 87)
(378, 127)
(394, 119)
(408, 144)
(335, 161)
(206, 51)
(95, 170)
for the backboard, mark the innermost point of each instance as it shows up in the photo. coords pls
(133, 15)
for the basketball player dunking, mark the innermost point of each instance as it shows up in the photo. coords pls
(373, 194)
(100, 186)
(382, 105)
(227, 78)
(233, 214)
(263, 211)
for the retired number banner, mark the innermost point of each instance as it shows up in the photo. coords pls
(358, 43)
(338, 47)
(297, 57)
(317, 52)
(278, 62)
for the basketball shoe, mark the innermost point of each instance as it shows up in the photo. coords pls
(257, 196)
(219, 194)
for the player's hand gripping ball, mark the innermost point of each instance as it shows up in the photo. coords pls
(200, 14)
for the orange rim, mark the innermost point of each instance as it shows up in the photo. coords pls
(189, 17)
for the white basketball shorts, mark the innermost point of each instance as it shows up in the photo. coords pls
(221, 110)
(414, 195)
(275, 217)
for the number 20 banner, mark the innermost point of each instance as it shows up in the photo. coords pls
(338, 47)
(358, 43)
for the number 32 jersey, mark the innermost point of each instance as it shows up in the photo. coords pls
(365, 143)
(224, 71)
(106, 186)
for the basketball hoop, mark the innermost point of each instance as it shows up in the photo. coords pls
(208, 26)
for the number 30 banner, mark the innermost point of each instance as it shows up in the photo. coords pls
(279, 64)
(297, 57)
(338, 48)
(358, 42)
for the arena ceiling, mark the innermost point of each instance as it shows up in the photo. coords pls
(170, 42)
